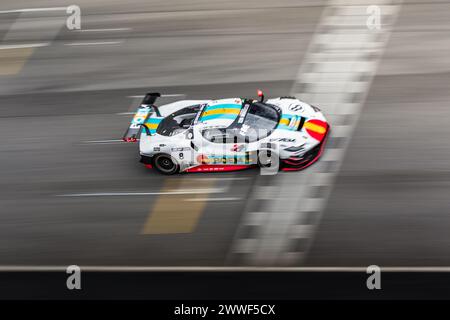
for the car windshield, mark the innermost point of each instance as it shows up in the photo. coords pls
(178, 122)
(261, 119)
(261, 116)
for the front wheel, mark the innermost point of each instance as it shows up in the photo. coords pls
(165, 164)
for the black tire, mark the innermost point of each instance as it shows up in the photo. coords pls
(165, 164)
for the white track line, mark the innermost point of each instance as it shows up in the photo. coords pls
(34, 10)
(40, 37)
(56, 268)
(104, 30)
(214, 199)
(347, 59)
(21, 46)
(162, 96)
(342, 50)
(103, 141)
(221, 178)
(93, 43)
(121, 194)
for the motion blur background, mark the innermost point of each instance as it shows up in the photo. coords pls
(72, 193)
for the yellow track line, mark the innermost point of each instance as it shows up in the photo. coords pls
(13, 60)
(171, 213)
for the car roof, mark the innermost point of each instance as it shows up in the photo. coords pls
(221, 113)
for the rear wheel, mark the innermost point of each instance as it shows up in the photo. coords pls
(165, 164)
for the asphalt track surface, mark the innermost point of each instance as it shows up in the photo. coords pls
(62, 110)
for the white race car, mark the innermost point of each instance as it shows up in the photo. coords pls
(228, 134)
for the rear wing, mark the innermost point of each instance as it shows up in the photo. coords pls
(145, 110)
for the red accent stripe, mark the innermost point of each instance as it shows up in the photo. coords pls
(128, 139)
(316, 158)
(230, 167)
(217, 168)
(294, 163)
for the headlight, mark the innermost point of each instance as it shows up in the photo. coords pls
(316, 109)
(294, 149)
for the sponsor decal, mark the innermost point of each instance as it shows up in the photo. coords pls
(224, 159)
(296, 107)
(316, 128)
(243, 113)
(140, 116)
(289, 122)
(202, 158)
(237, 148)
(180, 149)
(283, 139)
(216, 168)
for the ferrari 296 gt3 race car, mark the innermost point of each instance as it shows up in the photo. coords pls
(228, 134)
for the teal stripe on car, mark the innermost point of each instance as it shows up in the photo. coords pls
(284, 127)
(219, 116)
(223, 106)
(153, 120)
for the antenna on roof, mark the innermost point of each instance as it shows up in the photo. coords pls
(261, 95)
